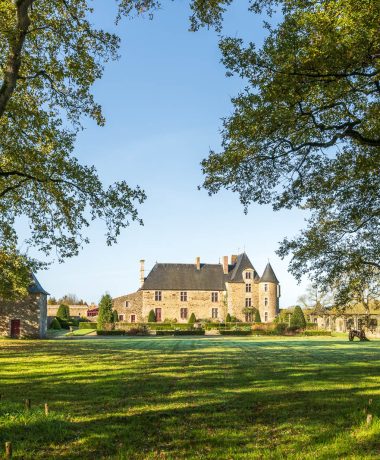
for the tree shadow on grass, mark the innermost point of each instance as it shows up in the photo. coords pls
(191, 399)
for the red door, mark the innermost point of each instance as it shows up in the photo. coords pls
(15, 328)
(158, 314)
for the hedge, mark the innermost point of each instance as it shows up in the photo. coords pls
(328, 333)
(87, 325)
(232, 332)
(176, 333)
(110, 332)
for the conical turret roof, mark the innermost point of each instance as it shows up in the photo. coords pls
(268, 275)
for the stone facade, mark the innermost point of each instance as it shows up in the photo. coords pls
(27, 317)
(210, 291)
(76, 311)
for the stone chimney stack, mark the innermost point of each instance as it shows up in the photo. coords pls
(198, 263)
(225, 265)
(234, 259)
(142, 272)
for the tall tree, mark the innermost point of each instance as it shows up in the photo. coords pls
(50, 56)
(305, 133)
(105, 316)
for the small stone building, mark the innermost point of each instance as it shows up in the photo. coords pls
(210, 291)
(26, 317)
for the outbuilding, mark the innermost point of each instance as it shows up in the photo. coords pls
(26, 317)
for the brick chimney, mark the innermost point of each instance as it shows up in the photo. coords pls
(142, 272)
(225, 265)
(198, 263)
(234, 259)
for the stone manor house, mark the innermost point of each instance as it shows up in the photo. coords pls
(210, 291)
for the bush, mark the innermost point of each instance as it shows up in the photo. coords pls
(140, 330)
(113, 332)
(192, 319)
(63, 312)
(281, 328)
(235, 332)
(55, 325)
(87, 325)
(115, 316)
(298, 318)
(151, 317)
(257, 316)
(105, 316)
(228, 318)
(63, 323)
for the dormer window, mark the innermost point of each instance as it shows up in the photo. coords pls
(248, 275)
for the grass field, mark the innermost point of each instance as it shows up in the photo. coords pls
(195, 398)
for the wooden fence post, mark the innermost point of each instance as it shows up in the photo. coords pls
(46, 409)
(8, 450)
(28, 404)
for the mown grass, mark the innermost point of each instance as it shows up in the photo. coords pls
(190, 398)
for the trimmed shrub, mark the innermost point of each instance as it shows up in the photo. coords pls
(151, 317)
(298, 318)
(55, 325)
(63, 312)
(234, 332)
(192, 319)
(115, 316)
(228, 318)
(87, 325)
(113, 332)
(257, 316)
(105, 316)
(281, 328)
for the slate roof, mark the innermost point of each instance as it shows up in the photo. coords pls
(185, 277)
(35, 287)
(235, 272)
(268, 275)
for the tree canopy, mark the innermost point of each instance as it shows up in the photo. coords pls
(305, 133)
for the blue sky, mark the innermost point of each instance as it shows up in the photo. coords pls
(163, 102)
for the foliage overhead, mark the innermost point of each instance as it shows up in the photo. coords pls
(305, 133)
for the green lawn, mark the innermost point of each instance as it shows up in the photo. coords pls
(195, 398)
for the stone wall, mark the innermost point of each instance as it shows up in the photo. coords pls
(236, 295)
(76, 311)
(268, 291)
(198, 302)
(32, 313)
(128, 305)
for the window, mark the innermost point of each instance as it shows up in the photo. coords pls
(248, 287)
(133, 318)
(121, 317)
(266, 301)
(183, 296)
(158, 296)
(183, 313)
(214, 297)
(266, 316)
(248, 302)
(214, 313)
(249, 317)
(265, 287)
(158, 314)
(126, 304)
(248, 275)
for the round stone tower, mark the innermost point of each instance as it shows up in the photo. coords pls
(269, 295)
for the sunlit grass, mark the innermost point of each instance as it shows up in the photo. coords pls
(190, 398)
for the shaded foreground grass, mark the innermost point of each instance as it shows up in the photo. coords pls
(195, 398)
